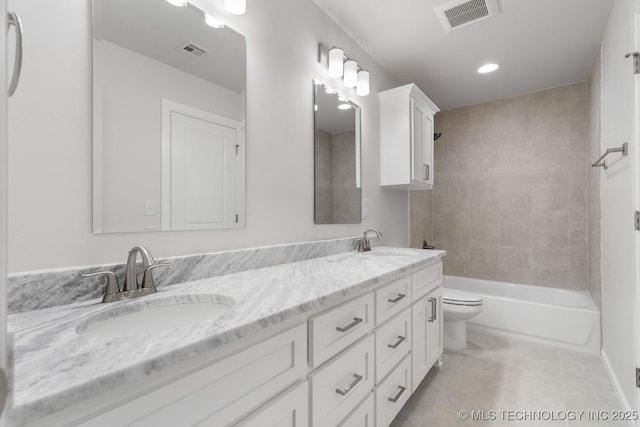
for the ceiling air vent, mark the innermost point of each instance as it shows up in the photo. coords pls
(192, 49)
(457, 13)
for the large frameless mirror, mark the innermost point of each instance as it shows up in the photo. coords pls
(168, 119)
(338, 193)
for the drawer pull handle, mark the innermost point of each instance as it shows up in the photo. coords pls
(397, 343)
(433, 302)
(395, 398)
(398, 298)
(350, 387)
(356, 322)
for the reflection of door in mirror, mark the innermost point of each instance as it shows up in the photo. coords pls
(145, 53)
(200, 164)
(338, 194)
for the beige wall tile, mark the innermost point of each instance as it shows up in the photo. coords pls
(512, 196)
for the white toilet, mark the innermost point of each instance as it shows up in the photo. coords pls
(458, 307)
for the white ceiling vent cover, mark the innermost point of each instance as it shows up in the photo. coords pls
(192, 49)
(458, 13)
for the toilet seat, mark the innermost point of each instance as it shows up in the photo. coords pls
(458, 297)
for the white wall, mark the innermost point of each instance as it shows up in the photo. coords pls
(619, 257)
(131, 87)
(50, 140)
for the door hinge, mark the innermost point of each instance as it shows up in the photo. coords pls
(637, 377)
(637, 220)
(237, 147)
(636, 61)
(236, 218)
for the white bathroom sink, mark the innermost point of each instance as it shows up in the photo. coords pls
(390, 252)
(149, 315)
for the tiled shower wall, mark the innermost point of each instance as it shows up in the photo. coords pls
(510, 196)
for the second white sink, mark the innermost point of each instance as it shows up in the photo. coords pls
(154, 315)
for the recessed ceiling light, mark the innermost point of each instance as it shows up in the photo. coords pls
(488, 68)
(344, 106)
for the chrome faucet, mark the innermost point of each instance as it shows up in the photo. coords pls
(132, 287)
(364, 244)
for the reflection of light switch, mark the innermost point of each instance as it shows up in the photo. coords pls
(365, 208)
(150, 207)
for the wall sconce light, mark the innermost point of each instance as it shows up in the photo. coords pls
(341, 66)
(362, 88)
(212, 21)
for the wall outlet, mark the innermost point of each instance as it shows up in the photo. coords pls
(150, 208)
(365, 208)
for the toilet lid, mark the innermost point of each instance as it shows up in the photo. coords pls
(456, 296)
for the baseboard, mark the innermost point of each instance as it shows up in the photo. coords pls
(622, 400)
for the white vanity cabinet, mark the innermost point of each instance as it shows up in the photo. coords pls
(406, 132)
(353, 364)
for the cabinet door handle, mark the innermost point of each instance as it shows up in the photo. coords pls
(425, 172)
(398, 298)
(395, 398)
(433, 310)
(397, 343)
(14, 19)
(350, 387)
(356, 322)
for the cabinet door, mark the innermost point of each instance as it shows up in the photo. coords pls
(434, 326)
(426, 345)
(427, 149)
(421, 152)
(289, 410)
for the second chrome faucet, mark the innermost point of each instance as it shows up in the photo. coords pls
(132, 287)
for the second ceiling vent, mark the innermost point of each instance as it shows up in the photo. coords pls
(457, 13)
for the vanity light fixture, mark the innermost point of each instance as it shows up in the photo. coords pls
(236, 7)
(336, 62)
(362, 87)
(488, 68)
(179, 3)
(212, 21)
(344, 106)
(350, 73)
(341, 66)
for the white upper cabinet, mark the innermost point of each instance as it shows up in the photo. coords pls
(406, 132)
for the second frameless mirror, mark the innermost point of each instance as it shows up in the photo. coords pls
(168, 119)
(338, 191)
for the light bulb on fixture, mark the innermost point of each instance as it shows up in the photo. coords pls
(350, 73)
(212, 21)
(237, 7)
(178, 3)
(336, 62)
(362, 88)
(344, 106)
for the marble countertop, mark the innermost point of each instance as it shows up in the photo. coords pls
(55, 366)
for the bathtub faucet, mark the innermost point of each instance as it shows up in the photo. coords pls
(364, 244)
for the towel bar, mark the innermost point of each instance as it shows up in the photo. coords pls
(601, 162)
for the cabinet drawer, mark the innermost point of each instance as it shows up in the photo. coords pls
(424, 280)
(393, 342)
(393, 393)
(289, 410)
(337, 388)
(363, 416)
(392, 299)
(333, 331)
(222, 392)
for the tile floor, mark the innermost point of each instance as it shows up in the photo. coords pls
(507, 373)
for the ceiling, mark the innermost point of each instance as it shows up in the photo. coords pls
(538, 43)
(156, 29)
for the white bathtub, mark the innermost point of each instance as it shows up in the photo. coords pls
(564, 317)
